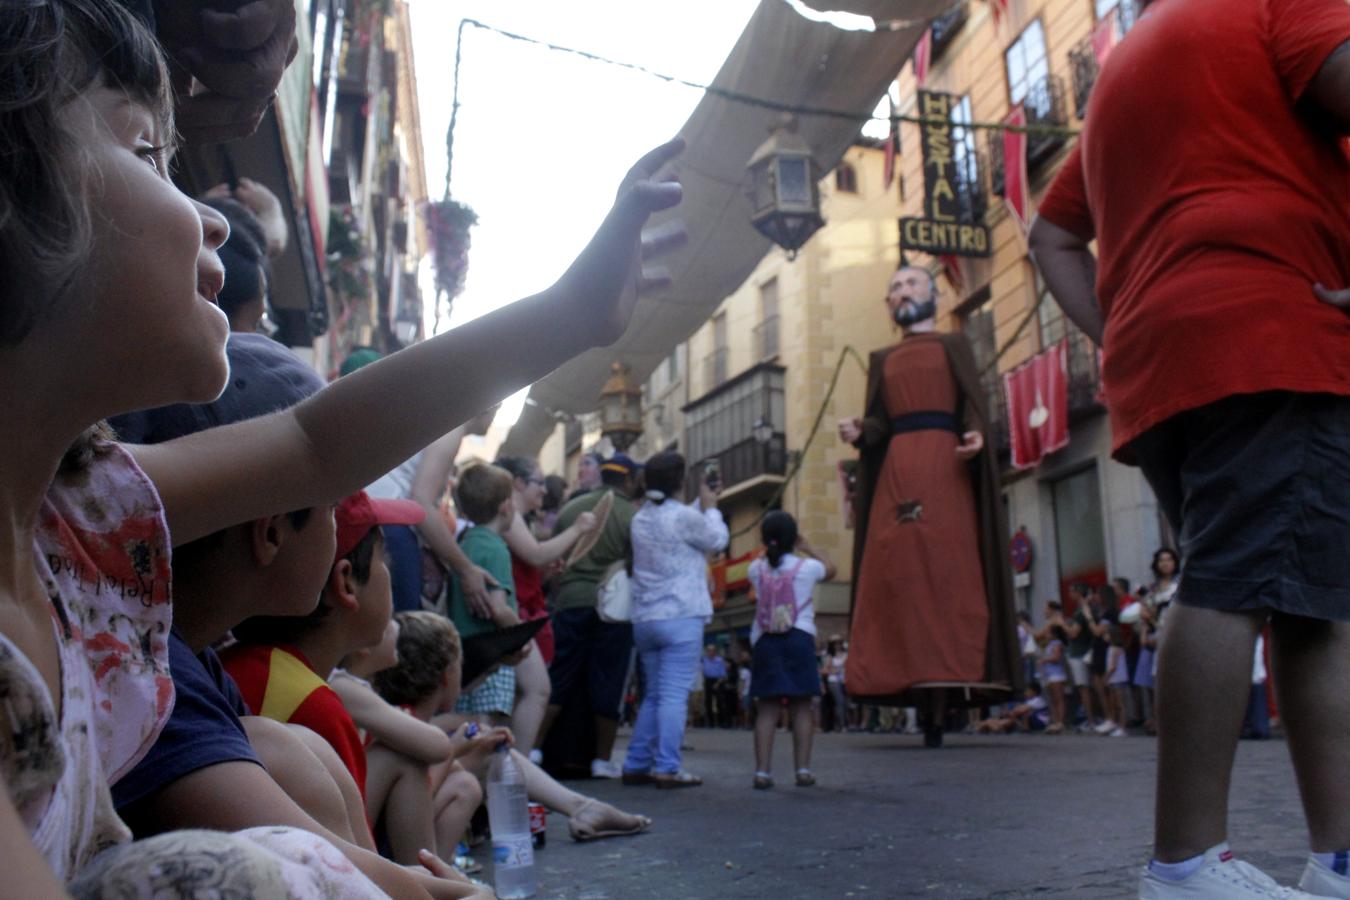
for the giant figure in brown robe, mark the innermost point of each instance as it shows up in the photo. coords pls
(932, 612)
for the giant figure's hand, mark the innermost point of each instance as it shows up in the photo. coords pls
(850, 430)
(972, 442)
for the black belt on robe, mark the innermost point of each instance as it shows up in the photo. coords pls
(925, 420)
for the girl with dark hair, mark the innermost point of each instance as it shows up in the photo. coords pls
(528, 556)
(784, 640)
(671, 606)
(108, 281)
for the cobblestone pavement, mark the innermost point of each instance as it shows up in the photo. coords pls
(1013, 816)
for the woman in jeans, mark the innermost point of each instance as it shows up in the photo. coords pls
(671, 605)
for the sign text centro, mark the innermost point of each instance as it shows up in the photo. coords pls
(944, 238)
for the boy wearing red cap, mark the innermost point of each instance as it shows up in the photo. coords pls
(282, 663)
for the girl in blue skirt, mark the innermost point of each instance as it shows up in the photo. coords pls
(784, 640)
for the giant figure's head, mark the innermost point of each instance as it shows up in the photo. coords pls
(911, 296)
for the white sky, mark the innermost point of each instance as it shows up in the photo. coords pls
(544, 137)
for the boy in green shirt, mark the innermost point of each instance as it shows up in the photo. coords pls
(483, 496)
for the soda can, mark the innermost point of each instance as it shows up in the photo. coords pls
(538, 825)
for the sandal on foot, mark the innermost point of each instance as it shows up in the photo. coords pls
(677, 780)
(805, 778)
(604, 821)
(637, 778)
(763, 782)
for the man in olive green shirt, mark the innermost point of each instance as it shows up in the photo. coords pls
(592, 658)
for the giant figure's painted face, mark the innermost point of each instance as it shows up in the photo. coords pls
(911, 296)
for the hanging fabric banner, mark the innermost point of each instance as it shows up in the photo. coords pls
(1104, 36)
(923, 55)
(892, 150)
(1038, 406)
(1016, 195)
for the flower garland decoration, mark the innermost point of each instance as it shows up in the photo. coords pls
(448, 223)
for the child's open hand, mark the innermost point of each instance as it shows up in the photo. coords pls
(605, 279)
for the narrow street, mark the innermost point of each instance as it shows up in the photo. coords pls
(1013, 816)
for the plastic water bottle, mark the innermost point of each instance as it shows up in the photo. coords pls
(509, 819)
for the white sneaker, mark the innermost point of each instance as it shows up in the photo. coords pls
(604, 768)
(537, 756)
(1118, 732)
(1319, 880)
(1220, 877)
(1105, 727)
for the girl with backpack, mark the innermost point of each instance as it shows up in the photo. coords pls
(784, 640)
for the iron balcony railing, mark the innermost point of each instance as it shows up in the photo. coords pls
(766, 338)
(1044, 106)
(715, 369)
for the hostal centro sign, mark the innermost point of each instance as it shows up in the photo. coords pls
(948, 227)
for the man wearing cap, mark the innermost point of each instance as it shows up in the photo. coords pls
(591, 657)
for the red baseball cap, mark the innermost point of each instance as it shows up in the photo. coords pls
(360, 512)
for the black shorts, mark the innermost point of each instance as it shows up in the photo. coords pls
(591, 655)
(1258, 489)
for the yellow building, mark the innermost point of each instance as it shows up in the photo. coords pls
(768, 354)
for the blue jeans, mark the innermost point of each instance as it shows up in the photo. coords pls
(669, 649)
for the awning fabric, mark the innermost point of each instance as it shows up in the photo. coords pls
(780, 56)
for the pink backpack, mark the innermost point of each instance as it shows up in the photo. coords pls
(777, 608)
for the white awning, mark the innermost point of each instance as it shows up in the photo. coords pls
(782, 57)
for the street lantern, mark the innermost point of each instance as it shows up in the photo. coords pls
(621, 408)
(784, 198)
(762, 431)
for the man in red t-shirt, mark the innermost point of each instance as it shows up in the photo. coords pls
(1213, 174)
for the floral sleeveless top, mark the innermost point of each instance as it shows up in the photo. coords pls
(102, 551)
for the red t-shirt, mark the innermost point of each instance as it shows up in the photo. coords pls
(532, 603)
(279, 683)
(1216, 207)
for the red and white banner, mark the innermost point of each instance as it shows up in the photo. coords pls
(1016, 194)
(923, 56)
(1038, 406)
(1104, 36)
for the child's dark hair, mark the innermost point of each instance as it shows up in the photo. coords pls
(481, 490)
(428, 645)
(1157, 555)
(555, 493)
(244, 256)
(779, 533)
(289, 629)
(521, 467)
(50, 52)
(665, 474)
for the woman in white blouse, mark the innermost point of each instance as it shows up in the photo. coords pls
(671, 605)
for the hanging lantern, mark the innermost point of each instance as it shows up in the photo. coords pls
(784, 198)
(621, 408)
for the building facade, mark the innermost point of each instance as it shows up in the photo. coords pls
(774, 349)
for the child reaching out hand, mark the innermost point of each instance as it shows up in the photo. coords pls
(101, 275)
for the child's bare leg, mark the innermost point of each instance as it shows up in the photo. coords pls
(397, 791)
(532, 692)
(542, 788)
(458, 795)
(803, 730)
(298, 760)
(1311, 659)
(766, 721)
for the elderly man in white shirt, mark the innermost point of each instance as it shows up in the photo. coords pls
(671, 606)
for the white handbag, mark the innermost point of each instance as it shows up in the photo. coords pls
(614, 598)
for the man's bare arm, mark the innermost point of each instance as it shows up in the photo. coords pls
(1070, 270)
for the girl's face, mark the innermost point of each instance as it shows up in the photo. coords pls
(153, 273)
(530, 493)
(1167, 564)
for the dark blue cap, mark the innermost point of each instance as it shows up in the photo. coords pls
(265, 377)
(620, 463)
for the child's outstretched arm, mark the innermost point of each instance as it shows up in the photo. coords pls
(370, 421)
(391, 726)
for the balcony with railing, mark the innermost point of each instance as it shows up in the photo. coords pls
(1044, 105)
(946, 26)
(765, 336)
(1085, 376)
(720, 426)
(1083, 64)
(715, 368)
